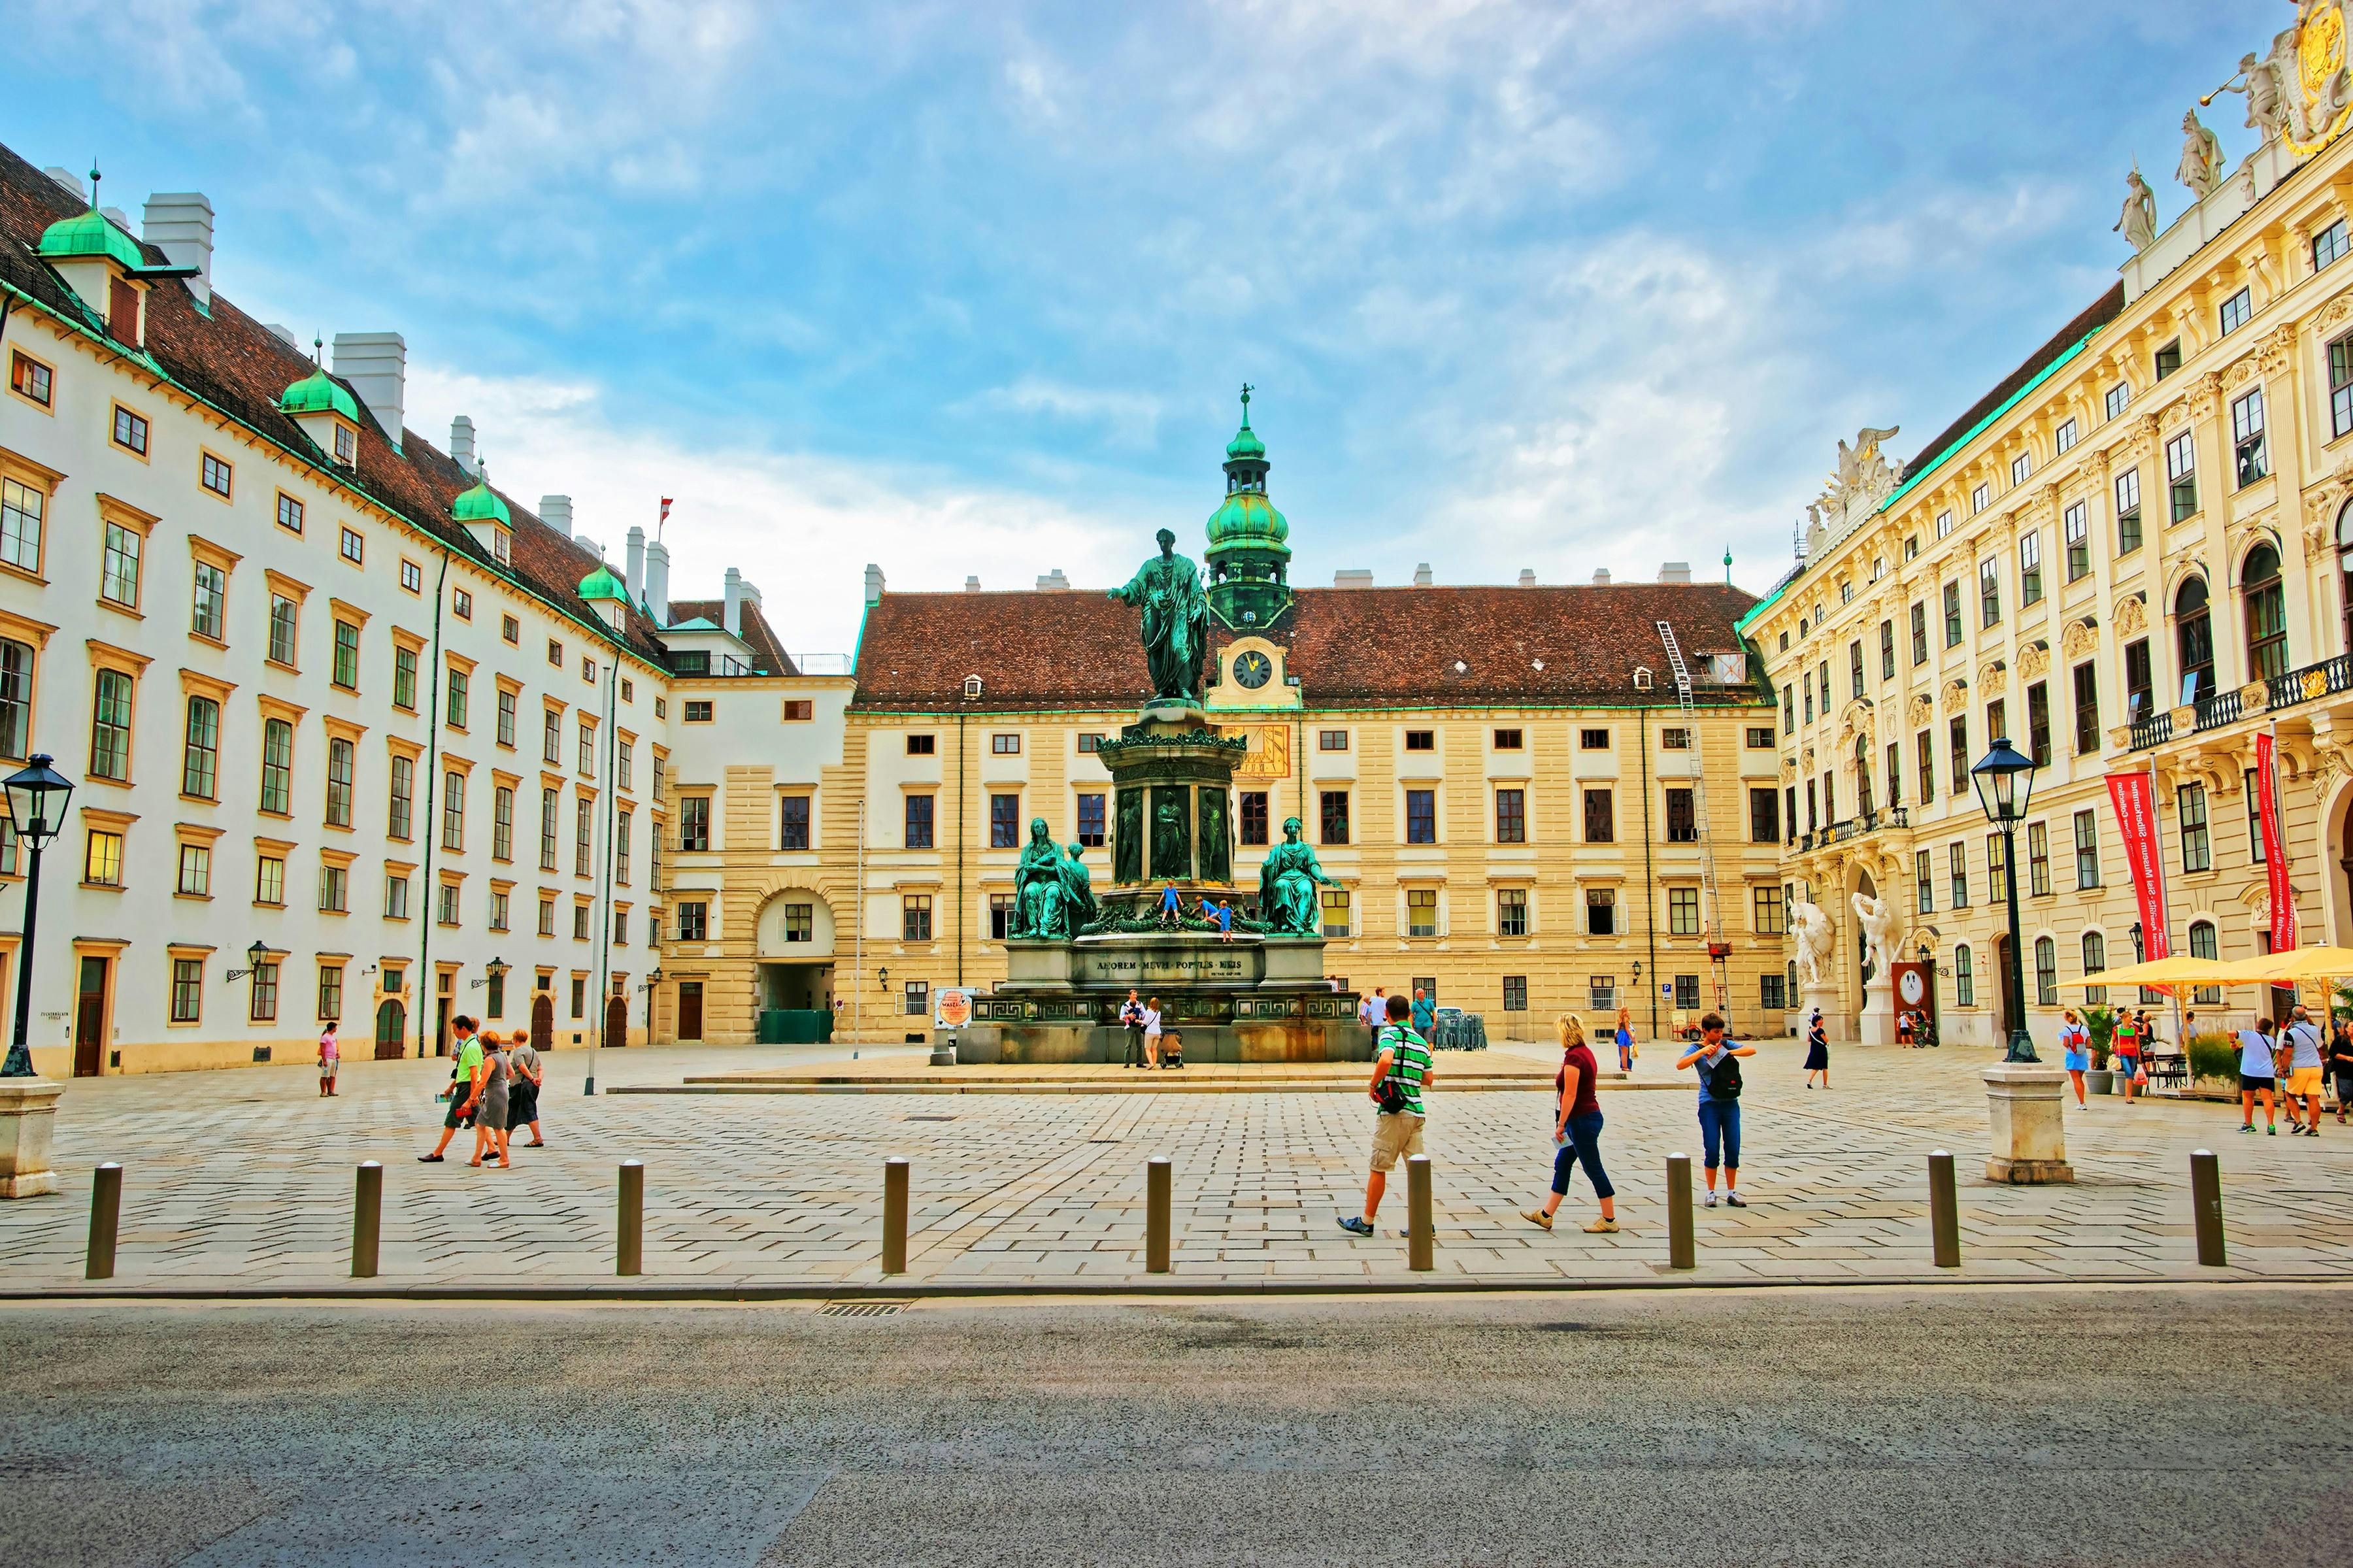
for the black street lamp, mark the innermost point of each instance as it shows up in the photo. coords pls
(37, 796)
(255, 957)
(2004, 778)
(496, 969)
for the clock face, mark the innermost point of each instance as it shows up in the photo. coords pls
(1252, 669)
(1914, 986)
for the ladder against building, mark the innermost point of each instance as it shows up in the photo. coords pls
(1710, 913)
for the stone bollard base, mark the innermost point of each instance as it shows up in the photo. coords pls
(2029, 1140)
(28, 1111)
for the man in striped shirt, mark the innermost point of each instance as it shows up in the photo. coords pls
(1404, 1067)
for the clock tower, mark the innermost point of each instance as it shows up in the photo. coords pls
(1248, 557)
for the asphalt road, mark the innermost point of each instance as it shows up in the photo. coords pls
(2206, 1425)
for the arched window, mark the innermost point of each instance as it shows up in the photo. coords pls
(2202, 944)
(2193, 636)
(2046, 972)
(2266, 599)
(2095, 959)
(1965, 978)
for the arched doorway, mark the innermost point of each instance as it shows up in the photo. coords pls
(2193, 640)
(543, 1021)
(2265, 601)
(2343, 586)
(795, 937)
(616, 1022)
(391, 1030)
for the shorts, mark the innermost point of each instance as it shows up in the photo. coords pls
(2248, 1084)
(456, 1117)
(1396, 1133)
(2076, 1061)
(2303, 1081)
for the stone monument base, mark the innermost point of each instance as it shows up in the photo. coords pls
(28, 1110)
(1876, 1027)
(2030, 1143)
(1835, 1022)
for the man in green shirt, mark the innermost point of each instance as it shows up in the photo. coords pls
(1404, 1069)
(465, 1085)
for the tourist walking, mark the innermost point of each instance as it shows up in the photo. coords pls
(331, 1060)
(1152, 1033)
(2075, 1047)
(1625, 1041)
(1425, 1013)
(491, 1103)
(523, 1095)
(2340, 1063)
(2131, 1030)
(1716, 1060)
(1132, 1014)
(1400, 1073)
(1817, 1049)
(2258, 1074)
(2303, 1070)
(1576, 1131)
(1373, 1011)
(464, 1079)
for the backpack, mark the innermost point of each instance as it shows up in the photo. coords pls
(1724, 1077)
(1390, 1094)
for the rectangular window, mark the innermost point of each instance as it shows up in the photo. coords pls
(32, 380)
(187, 990)
(2030, 569)
(1337, 915)
(1854, 668)
(549, 804)
(2077, 528)
(698, 712)
(2166, 360)
(1333, 815)
(1005, 745)
(502, 799)
(1512, 816)
(1512, 912)
(1254, 816)
(2249, 453)
(919, 999)
(2139, 691)
(284, 618)
(2020, 466)
(923, 745)
(1980, 497)
(1958, 739)
(1421, 817)
(584, 835)
(269, 879)
(918, 822)
(2088, 849)
(21, 508)
(1421, 739)
(1944, 524)
(793, 822)
(1687, 992)
(353, 549)
(1679, 739)
(1508, 741)
(1332, 740)
(1958, 856)
(447, 913)
(1682, 911)
(277, 767)
(1422, 911)
(1763, 815)
(2046, 972)
(345, 672)
(200, 759)
(195, 871)
(2118, 398)
(263, 1008)
(1004, 822)
(1920, 634)
(2064, 438)
(101, 865)
(507, 718)
(625, 757)
(118, 580)
(1998, 719)
(2253, 797)
(2086, 680)
(1772, 990)
(547, 915)
(1593, 740)
(1758, 737)
(1989, 592)
(330, 994)
(1924, 882)
(1515, 992)
(1923, 751)
(1000, 916)
(580, 921)
(1089, 744)
(130, 431)
(2329, 245)
(2236, 312)
(2181, 476)
(2038, 723)
(2128, 488)
(1601, 912)
(693, 920)
(1093, 830)
(207, 600)
(915, 917)
(339, 758)
(1601, 992)
(1600, 817)
(2340, 387)
(453, 810)
(512, 630)
(2190, 809)
(1768, 915)
(2038, 859)
(1683, 822)
(551, 738)
(1952, 614)
(1886, 653)
(588, 747)
(334, 889)
(401, 797)
(404, 677)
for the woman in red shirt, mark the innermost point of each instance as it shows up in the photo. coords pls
(1576, 1131)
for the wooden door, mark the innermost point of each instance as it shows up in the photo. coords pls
(89, 1019)
(690, 1009)
(543, 1022)
(617, 1021)
(441, 1026)
(391, 1030)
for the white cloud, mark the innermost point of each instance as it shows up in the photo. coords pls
(1129, 418)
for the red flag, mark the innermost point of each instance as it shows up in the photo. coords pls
(665, 516)
(2275, 852)
(2135, 799)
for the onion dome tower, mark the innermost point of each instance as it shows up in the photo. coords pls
(1248, 557)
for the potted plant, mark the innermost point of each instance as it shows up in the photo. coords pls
(2100, 1025)
(2214, 1057)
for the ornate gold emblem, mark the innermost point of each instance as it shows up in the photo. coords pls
(2321, 104)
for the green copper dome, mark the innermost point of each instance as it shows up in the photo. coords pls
(602, 584)
(1245, 443)
(89, 234)
(481, 504)
(318, 392)
(1249, 520)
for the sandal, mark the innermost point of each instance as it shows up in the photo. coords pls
(1537, 1218)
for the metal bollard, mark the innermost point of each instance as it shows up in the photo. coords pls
(1422, 1231)
(895, 1217)
(105, 1220)
(1681, 1253)
(629, 1247)
(368, 1218)
(2205, 1207)
(1157, 1185)
(1944, 1210)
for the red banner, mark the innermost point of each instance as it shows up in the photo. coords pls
(2274, 852)
(2135, 799)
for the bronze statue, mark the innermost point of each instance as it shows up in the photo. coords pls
(1078, 891)
(1167, 589)
(1217, 856)
(1287, 879)
(1172, 837)
(1040, 908)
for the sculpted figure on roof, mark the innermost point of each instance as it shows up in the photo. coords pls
(1167, 589)
(2202, 157)
(2138, 223)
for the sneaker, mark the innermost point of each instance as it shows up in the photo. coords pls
(1354, 1225)
(1736, 1199)
(1711, 1200)
(1537, 1218)
(1599, 1227)
(2250, 1127)
(2271, 1132)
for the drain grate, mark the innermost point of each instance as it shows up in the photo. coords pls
(927, 1118)
(861, 1309)
(1103, 1139)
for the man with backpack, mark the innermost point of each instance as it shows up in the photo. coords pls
(1716, 1060)
(1399, 1075)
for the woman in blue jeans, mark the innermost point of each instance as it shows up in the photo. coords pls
(1719, 1115)
(1576, 1131)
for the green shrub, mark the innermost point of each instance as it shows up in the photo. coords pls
(2100, 1024)
(2214, 1056)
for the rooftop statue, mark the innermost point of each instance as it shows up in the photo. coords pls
(2266, 100)
(2138, 223)
(1167, 589)
(1810, 929)
(1863, 479)
(2202, 157)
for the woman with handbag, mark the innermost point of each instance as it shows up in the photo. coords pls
(1817, 1049)
(2075, 1045)
(1576, 1131)
(523, 1095)
(1625, 1041)
(1715, 1057)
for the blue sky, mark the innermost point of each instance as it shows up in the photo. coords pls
(968, 288)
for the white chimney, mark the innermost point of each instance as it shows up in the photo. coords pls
(972, 584)
(1054, 583)
(180, 224)
(70, 179)
(1421, 577)
(556, 512)
(462, 446)
(590, 545)
(1353, 577)
(377, 366)
(633, 567)
(657, 582)
(117, 216)
(1527, 576)
(873, 584)
(1601, 576)
(731, 616)
(285, 333)
(1674, 572)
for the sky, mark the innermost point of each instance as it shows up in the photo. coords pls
(969, 289)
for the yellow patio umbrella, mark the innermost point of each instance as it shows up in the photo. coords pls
(2303, 963)
(2178, 970)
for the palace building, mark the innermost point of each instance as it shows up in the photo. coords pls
(2129, 556)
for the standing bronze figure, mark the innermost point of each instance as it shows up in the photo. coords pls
(1167, 589)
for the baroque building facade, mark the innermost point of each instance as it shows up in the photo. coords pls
(2128, 556)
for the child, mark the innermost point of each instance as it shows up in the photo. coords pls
(331, 1059)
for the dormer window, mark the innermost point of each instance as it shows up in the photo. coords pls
(501, 546)
(347, 446)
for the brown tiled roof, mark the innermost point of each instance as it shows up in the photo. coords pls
(757, 632)
(241, 366)
(2098, 313)
(1348, 647)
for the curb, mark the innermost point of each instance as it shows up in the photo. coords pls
(1196, 1086)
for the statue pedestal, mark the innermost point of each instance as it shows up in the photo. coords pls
(28, 1111)
(2029, 1144)
(1876, 1024)
(1835, 1023)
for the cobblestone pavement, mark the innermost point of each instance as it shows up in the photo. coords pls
(243, 1180)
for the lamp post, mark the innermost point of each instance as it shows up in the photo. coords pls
(255, 957)
(37, 796)
(496, 969)
(2004, 778)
